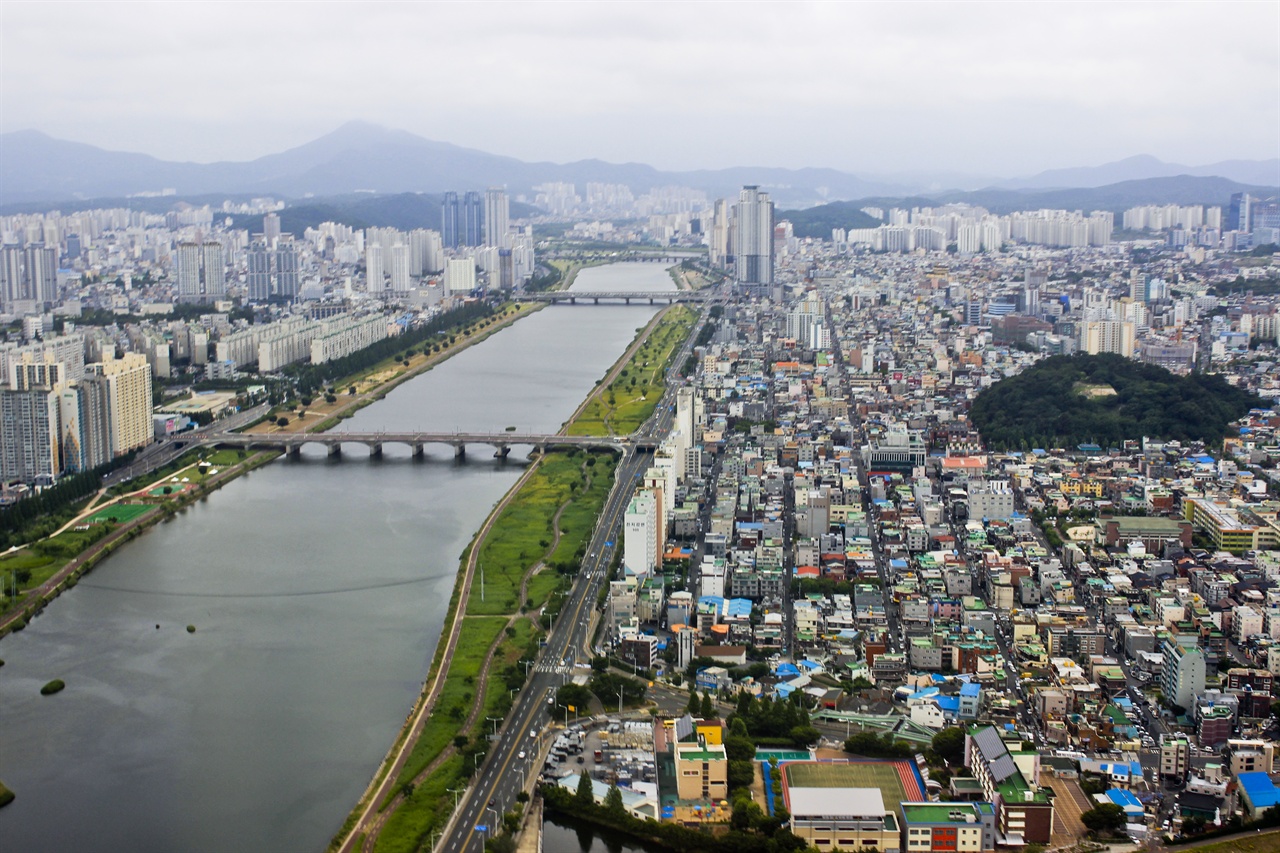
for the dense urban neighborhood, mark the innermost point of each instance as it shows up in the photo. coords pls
(960, 532)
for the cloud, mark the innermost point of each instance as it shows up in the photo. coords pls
(984, 87)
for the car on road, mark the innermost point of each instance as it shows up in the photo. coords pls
(520, 755)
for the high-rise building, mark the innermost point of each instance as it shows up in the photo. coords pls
(30, 443)
(201, 271)
(373, 273)
(271, 228)
(1182, 679)
(460, 275)
(28, 274)
(497, 217)
(641, 534)
(128, 382)
(753, 242)
(472, 229)
(1107, 336)
(272, 273)
(451, 220)
(399, 268)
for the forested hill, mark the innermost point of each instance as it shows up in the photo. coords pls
(1069, 400)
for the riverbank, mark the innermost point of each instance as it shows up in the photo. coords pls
(532, 543)
(135, 517)
(57, 562)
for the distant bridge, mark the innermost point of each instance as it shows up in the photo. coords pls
(667, 297)
(501, 442)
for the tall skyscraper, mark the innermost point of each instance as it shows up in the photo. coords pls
(128, 382)
(497, 217)
(399, 268)
(471, 232)
(753, 242)
(258, 271)
(450, 220)
(286, 266)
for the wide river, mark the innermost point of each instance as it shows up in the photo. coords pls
(318, 589)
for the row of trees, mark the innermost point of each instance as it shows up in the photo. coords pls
(310, 378)
(39, 515)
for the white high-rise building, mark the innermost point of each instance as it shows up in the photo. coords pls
(374, 280)
(497, 217)
(460, 275)
(128, 400)
(400, 268)
(640, 534)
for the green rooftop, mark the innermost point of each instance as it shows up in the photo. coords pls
(939, 813)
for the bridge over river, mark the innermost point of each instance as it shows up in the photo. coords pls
(501, 442)
(667, 297)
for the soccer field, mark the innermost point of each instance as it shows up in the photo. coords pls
(119, 513)
(896, 780)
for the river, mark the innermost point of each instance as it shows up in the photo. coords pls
(318, 589)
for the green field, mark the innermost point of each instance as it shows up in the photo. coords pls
(524, 532)
(629, 400)
(1266, 842)
(120, 513)
(856, 774)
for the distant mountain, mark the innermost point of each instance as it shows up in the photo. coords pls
(363, 157)
(35, 167)
(1184, 189)
(1143, 166)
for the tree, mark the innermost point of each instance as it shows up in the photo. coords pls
(949, 744)
(613, 802)
(707, 710)
(1106, 817)
(584, 796)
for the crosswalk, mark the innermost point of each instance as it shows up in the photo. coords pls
(555, 668)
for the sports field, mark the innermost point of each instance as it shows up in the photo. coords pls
(897, 780)
(119, 513)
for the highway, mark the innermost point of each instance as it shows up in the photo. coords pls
(515, 755)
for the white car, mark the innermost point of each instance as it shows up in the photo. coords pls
(520, 755)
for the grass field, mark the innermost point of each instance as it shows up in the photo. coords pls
(119, 513)
(895, 779)
(1266, 842)
(629, 400)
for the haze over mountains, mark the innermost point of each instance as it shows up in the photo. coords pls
(360, 157)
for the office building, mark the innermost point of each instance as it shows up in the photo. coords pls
(640, 537)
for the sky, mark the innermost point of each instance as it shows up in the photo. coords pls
(996, 89)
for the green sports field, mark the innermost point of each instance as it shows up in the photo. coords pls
(895, 779)
(119, 513)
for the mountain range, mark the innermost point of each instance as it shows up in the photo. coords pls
(360, 157)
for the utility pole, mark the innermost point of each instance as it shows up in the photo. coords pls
(456, 792)
(482, 582)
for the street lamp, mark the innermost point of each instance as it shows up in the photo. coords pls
(456, 792)
(495, 721)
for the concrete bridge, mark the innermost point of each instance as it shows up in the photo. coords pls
(665, 297)
(501, 442)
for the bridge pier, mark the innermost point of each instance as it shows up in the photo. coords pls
(459, 451)
(417, 450)
(295, 452)
(335, 451)
(375, 451)
(501, 451)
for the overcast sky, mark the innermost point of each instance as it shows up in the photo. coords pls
(1002, 89)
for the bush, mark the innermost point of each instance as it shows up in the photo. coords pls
(52, 687)
(6, 796)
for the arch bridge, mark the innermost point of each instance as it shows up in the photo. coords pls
(501, 442)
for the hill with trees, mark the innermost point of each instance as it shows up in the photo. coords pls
(1067, 400)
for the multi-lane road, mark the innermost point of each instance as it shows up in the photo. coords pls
(516, 751)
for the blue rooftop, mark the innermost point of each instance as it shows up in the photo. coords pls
(949, 703)
(1124, 799)
(1261, 791)
(971, 689)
